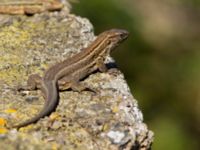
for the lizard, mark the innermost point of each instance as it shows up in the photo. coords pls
(67, 74)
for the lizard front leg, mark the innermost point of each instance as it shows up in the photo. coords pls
(101, 65)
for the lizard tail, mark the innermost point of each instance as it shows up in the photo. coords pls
(50, 91)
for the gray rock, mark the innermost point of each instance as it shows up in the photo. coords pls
(109, 119)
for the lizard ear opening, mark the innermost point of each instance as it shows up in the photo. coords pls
(108, 42)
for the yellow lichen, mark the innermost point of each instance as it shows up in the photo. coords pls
(13, 36)
(54, 146)
(11, 74)
(115, 109)
(10, 111)
(54, 116)
(26, 128)
(3, 130)
(105, 127)
(3, 122)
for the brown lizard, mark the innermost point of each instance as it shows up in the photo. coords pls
(68, 73)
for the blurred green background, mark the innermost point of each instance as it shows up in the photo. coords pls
(160, 60)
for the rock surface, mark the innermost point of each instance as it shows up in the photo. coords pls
(107, 120)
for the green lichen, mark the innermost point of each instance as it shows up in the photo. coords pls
(14, 41)
(13, 36)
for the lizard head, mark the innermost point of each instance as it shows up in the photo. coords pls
(113, 37)
(107, 41)
(117, 34)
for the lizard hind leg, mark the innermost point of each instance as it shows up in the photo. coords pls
(67, 83)
(33, 83)
(80, 86)
(76, 86)
(64, 84)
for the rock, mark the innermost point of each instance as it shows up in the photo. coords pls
(109, 119)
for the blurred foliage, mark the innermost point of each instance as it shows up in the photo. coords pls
(161, 61)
